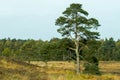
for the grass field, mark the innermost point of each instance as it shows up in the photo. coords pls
(11, 69)
(59, 70)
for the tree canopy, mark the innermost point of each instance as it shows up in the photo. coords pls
(76, 25)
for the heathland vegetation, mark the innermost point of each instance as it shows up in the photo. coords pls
(12, 69)
(80, 51)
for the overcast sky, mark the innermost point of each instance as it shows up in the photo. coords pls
(35, 19)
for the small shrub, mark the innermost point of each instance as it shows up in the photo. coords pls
(91, 67)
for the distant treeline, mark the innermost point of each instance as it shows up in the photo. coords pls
(58, 49)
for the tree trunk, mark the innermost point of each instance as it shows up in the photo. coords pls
(77, 58)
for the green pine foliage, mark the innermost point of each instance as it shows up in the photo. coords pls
(91, 67)
(58, 49)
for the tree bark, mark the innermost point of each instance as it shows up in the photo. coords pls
(77, 57)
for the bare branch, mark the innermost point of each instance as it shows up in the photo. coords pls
(72, 48)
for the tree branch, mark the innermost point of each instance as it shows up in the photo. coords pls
(72, 48)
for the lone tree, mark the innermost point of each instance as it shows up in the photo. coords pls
(76, 25)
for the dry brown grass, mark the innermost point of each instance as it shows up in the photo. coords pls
(16, 70)
(59, 70)
(54, 70)
(110, 67)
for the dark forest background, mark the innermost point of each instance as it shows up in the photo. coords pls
(58, 49)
